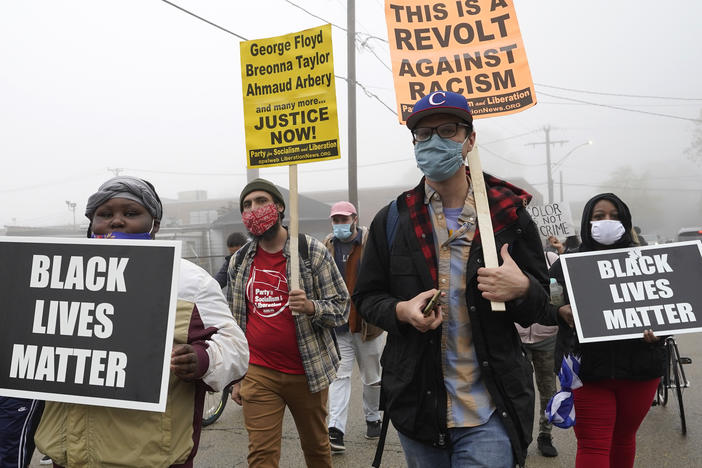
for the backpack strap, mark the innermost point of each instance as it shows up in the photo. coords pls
(391, 223)
(302, 247)
(238, 257)
(381, 441)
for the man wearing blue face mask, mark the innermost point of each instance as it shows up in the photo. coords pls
(358, 340)
(456, 384)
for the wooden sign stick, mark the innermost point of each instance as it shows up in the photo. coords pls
(487, 236)
(294, 280)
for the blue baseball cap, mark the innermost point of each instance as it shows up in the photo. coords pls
(440, 102)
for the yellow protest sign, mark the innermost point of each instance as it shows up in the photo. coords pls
(471, 47)
(290, 99)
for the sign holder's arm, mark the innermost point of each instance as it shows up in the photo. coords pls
(487, 236)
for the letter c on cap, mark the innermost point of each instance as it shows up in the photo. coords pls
(431, 98)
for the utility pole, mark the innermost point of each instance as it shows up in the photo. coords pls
(116, 171)
(351, 91)
(251, 174)
(560, 183)
(548, 143)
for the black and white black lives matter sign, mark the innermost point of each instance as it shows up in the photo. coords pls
(617, 294)
(88, 321)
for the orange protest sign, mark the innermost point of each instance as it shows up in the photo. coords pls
(471, 47)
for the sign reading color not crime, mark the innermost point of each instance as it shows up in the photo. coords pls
(88, 321)
(552, 219)
(617, 294)
(470, 47)
(290, 99)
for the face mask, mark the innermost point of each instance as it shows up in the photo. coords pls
(261, 219)
(606, 231)
(438, 158)
(125, 235)
(342, 231)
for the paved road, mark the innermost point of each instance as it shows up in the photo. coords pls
(660, 443)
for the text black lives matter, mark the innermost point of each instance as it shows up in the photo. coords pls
(70, 318)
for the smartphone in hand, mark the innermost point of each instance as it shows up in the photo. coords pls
(432, 303)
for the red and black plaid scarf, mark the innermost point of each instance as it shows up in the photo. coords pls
(503, 198)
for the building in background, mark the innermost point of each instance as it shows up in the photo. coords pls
(202, 224)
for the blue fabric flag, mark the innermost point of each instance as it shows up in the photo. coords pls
(560, 410)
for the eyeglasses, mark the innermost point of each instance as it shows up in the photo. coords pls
(447, 130)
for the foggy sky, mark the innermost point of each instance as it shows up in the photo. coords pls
(139, 85)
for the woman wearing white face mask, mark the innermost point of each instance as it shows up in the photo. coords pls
(619, 377)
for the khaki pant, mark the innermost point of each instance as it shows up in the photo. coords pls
(265, 393)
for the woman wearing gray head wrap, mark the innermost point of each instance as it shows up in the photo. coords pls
(209, 351)
(139, 190)
(131, 195)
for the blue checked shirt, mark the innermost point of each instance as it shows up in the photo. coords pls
(468, 402)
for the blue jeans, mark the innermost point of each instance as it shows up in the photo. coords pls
(485, 446)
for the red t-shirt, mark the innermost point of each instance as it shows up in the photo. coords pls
(270, 329)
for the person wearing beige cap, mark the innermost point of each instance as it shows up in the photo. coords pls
(358, 340)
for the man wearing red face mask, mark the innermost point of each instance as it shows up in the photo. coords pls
(290, 331)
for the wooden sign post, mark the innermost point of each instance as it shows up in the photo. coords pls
(293, 229)
(487, 236)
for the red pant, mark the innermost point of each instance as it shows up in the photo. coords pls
(607, 415)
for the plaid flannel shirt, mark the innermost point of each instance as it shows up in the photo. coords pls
(325, 287)
(503, 198)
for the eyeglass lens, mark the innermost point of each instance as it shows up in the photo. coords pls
(447, 130)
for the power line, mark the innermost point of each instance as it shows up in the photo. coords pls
(618, 94)
(368, 36)
(363, 43)
(509, 160)
(240, 174)
(647, 106)
(372, 51)
(365, 90)
(316, 16)
(303, 171)
(369, 93)
(509, 137)
(622, 108)
(624, 187)
(203, 19)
